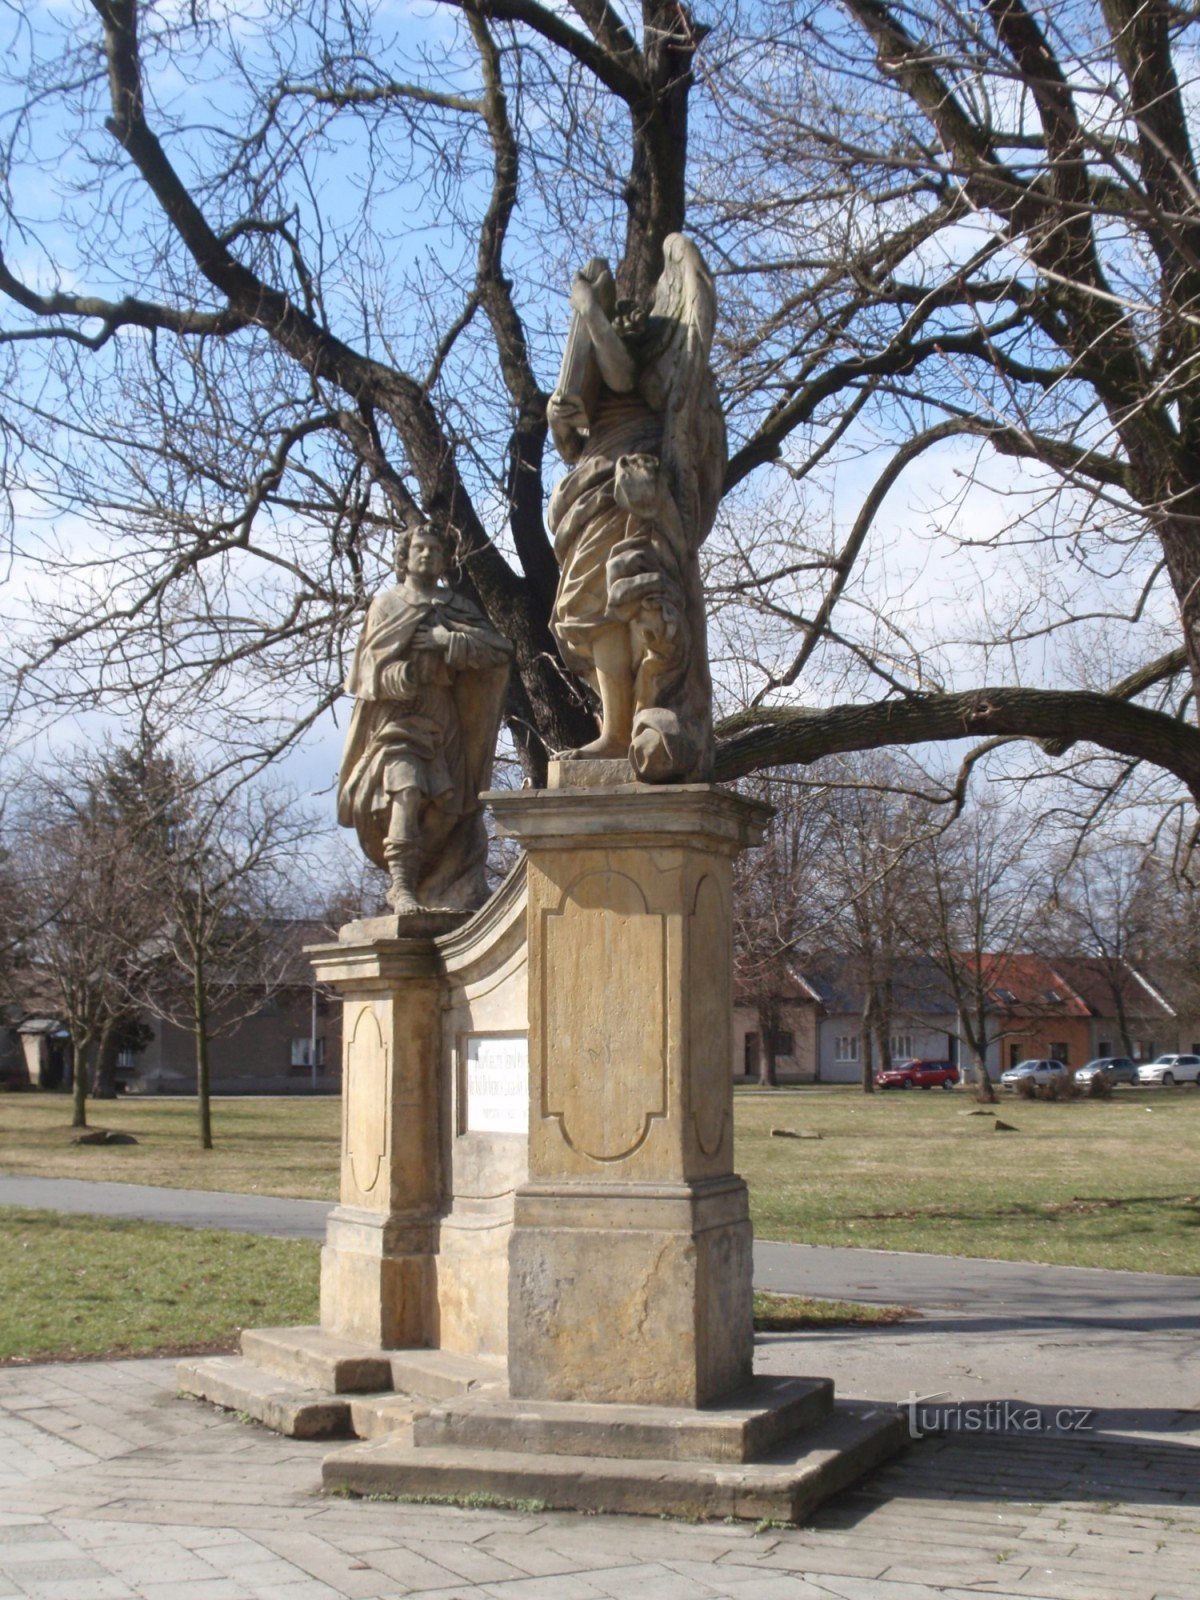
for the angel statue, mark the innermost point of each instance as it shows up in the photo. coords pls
(636, 414)
(428, 677)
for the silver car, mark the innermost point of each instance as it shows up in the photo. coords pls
(1119, 1069)
(1170, 1070)
(1037, 1071)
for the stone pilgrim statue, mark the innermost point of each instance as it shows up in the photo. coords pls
(429, 677)
(636, 414)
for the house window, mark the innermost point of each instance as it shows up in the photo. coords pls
(1015, 1054)
(1144, 1050)
(1104, 1049)
(302, 1053)
(785, 1045)
(750, 1056)
(845, 1047)
(902, 1047)
(1058, 1052)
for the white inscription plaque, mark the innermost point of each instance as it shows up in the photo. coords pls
(497, 1084)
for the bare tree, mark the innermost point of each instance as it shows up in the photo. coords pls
(974, 894)
(1115, 906)
(218, 860)
(235, 357)
(875, 811)
(89, 907)
(774, 906)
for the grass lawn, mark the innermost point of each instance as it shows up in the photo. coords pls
(1089, 1183)
(788, 1313)
(77, 1287)
(84, 1286)
(1085, 1183)
(284, 1147)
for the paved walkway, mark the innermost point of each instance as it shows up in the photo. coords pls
(111, 1488)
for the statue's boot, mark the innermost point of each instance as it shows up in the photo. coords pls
(403, 860)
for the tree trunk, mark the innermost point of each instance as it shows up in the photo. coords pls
(81, 1049)
(766, 1047)
(868, 1045)
(984, 1088)
(200, 1028)
(104, 1085)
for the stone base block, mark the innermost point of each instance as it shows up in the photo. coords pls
(239, 1385)
(574, 772)
(378, 1283)
(424, 924)
(744, 1428)
(631, 1294)
(787, 1486)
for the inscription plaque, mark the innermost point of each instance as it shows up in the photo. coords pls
(497, 1084)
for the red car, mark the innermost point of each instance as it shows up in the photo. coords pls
(918, 1075)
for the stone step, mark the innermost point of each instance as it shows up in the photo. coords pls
(443, 1374)
(242, 1386)
(744, 1428)
(795, 1478)
(378, 1416)
(314, 1359)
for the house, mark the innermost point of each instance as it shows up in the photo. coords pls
(921, 1020)
(1072, 1009)
(796, 1010)
(274, 1032)
(1032, 1012)
(1129, 1015)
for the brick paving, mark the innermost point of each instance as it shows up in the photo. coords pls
(111, 1488)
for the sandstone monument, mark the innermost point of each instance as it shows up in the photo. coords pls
(537, 1282)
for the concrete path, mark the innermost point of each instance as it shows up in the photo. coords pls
(111, 1488)
(1006, 1292)
(192, 1208)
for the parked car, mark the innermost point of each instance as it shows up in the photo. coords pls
(921, 1074)
(1117, 1069)
(1170, 1070)
(1037, 1071)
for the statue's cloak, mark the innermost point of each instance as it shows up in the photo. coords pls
(454, 840)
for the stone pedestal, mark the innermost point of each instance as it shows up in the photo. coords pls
(625, 1382)
(378, 1264)
(630, 1258)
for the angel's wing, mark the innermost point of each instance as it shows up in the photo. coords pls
(694, 447)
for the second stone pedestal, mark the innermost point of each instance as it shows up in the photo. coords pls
(378, 1264)
(630, 1258)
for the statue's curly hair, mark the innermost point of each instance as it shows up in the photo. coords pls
(404, 538)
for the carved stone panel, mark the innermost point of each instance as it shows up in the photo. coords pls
(709, 1005)
(366, 1122)
(604, 1016)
